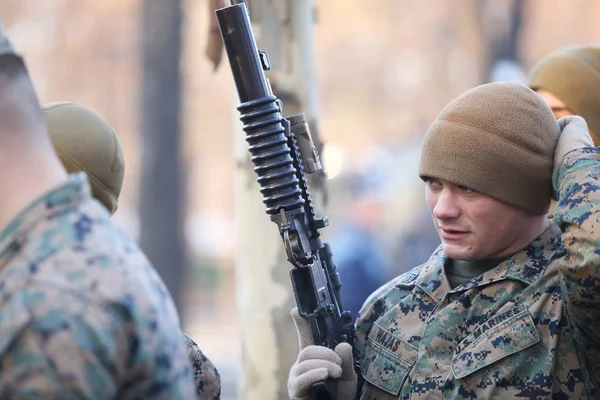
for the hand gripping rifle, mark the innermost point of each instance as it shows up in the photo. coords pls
(282, 152)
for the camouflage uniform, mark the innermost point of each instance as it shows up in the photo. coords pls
(529, 328)
(83, 314)
(206, 376)
(84, 141)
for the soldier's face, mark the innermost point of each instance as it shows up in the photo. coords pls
(560, 110)
(473, 226)
(558, 107)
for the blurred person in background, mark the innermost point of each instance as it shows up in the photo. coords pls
(509, 305)
(569, 82)
(83, 313)
(417, 243)
(86, 142)
(359, 254)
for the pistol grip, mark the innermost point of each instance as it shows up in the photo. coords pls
(325, 390)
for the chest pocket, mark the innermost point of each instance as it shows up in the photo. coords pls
(499, 337)
(389, 360)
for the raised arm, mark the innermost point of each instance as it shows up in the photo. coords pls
(576, 181)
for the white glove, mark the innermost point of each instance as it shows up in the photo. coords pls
(318, 363)
(574, 135)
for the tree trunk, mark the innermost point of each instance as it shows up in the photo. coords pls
(161, 191)
(500, 24)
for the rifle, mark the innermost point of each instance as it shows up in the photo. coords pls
(282, 152)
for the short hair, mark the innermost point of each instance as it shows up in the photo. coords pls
(20, 110)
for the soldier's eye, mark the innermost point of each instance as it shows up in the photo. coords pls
(432, 182)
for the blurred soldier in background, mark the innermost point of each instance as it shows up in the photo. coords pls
(359, 254)
(84, 141)
(83, 312)
(569, 81)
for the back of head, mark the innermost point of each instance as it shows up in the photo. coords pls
(84, 141)
(572, 74)
(498, 139)
(21, 119)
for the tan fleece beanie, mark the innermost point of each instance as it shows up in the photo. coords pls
(84, 141)
(573, 75)
(497, 139)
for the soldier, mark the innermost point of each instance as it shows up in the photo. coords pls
(568, 79)
(84, 141)
(569, 82)
(83, 313)
(206, 376)
(508, 305)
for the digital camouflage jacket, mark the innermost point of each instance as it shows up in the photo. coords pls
(529, 328)
(83, 314)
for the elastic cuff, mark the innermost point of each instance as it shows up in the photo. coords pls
(568, 161)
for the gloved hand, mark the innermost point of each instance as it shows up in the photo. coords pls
(574, 135)
(317, 363)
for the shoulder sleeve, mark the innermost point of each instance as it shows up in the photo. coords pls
(58, 353)
(206, 376)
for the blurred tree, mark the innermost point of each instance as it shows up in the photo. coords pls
(162, 177)
(214, 44)
(500, 24)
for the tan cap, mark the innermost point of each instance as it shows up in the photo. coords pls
(573, 75)
(498, 139)
(84, 141)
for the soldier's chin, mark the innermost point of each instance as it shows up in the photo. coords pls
(457, 252)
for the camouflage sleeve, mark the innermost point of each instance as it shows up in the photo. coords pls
(206, 376)
(577, 181)
(71, 352)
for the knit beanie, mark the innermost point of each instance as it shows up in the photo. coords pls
(84, 141)
(497, 139)
(572, 74)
